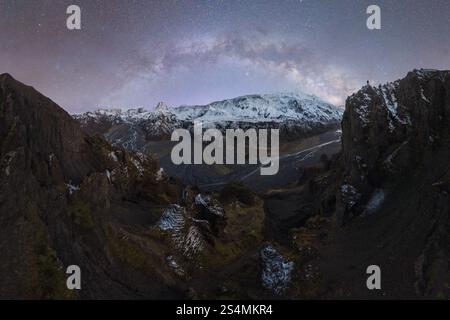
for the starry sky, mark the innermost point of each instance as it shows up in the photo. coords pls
(133, 53)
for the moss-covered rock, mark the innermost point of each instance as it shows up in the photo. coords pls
(80, 213)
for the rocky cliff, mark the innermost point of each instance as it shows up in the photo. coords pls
(393, 190)
(393, 131)
(71, 199)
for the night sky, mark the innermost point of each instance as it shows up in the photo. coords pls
(136, 53)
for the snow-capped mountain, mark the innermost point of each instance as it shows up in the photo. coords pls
(295, 114)
(263, 108)
(160, 122)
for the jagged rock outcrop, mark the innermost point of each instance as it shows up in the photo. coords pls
(276, 270)
(189, 235)
(160, 123)
(193, 227)
(211, 210)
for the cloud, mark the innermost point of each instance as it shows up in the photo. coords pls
(267, 54)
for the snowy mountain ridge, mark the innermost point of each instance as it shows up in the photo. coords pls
(267, 107)
(250, 108)
(295, 114)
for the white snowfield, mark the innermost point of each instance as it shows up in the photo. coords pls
(277, 108)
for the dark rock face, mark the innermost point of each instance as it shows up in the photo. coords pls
(68, 198)
(393, 192)
(37, 128)
(392, 130)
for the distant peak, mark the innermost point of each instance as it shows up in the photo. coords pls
(161, 107)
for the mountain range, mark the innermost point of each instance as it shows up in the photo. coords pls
(295, 114)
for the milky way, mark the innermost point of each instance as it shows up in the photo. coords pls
(136, 53)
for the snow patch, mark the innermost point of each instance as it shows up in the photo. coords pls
(51, 157)
(72, 188)
(171, 262)
(138, 166)
(376, 201)
(160, 174)
(276, 272)
(112, 155)
(422, 95)
(183, 230)
(350, 195)
(108, 175)
(172, 218)
(394, 153)
(192, 243)
(209, 204)
(7, 162)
